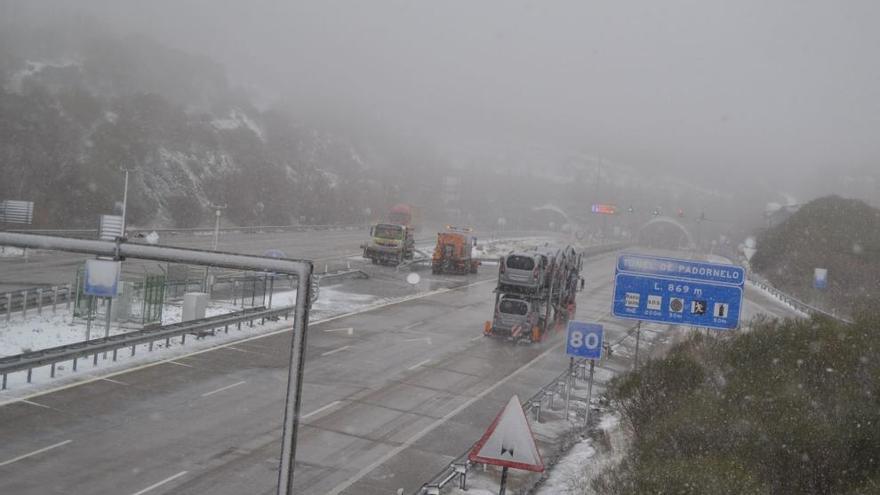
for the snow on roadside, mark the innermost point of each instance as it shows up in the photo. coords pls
(586, 460)
(49, 330)
(11, 252)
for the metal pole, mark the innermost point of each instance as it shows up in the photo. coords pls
(638, 337)
(216, 229)
(124, 200)
(217, 210)
(271, 288)
(503, 488)
(293, 400)
(107, 323)
(89, 319)
(589, 393)
(569, 384)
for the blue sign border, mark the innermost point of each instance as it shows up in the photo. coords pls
(699, 299)
(584, 328)
(697, 271)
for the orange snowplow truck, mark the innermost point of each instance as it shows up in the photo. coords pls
(453, 252)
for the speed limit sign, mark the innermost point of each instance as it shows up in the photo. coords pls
(584, 340)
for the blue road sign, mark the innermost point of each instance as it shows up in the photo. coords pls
(820, 278)
(678, 292)
(584, 340)
(101, 278)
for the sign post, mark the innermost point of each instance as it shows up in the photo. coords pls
(583, 340)
(678, 292)
(638, 338)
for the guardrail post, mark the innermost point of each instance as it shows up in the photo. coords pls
(24, 304)
(54, 299)
(30, 373)
(638, 338)
(52, 371)
(569, 384)
(39, 301)
(589, 394)
(4, 381)
(8, 307)
(462, 470)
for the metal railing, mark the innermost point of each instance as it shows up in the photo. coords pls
(793, 301)
(302, 269)
(34, 298)
(75, 351)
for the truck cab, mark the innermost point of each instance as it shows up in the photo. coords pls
(453, 252)
(390, 243)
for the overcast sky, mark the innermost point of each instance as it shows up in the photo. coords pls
(698, 87)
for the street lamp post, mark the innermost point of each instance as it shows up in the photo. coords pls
(124, 200)
(217, 210)
(217, 213)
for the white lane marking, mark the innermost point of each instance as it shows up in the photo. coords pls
(334, 351)
(36, 404)
(236, 349)
(157, 485)
(426, 339)
(413, 325)
(478, 337)
(320, 409)
(348, 330)
(413, 439)
(212, 392)
(287, 329)
(38, 451)
(417, 365)
(114, 381)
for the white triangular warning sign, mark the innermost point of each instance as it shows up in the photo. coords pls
(509, 441)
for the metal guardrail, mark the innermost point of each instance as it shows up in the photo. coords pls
(795, 302)
(23, 300)
(73, 352)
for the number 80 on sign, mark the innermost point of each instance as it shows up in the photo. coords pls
(584, 340)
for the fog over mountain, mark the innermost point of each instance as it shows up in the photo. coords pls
(749, 99)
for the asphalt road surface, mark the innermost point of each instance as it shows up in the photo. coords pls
(386, 406)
